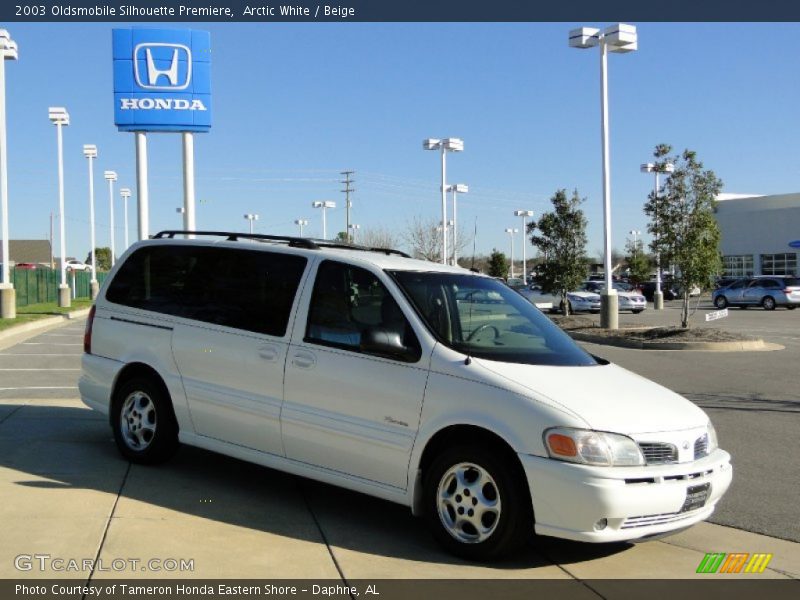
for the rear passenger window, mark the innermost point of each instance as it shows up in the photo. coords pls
(243, 289)
(350, 308)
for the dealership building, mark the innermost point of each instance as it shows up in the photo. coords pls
(760, 234)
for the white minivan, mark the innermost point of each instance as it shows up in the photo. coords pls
(419, 383)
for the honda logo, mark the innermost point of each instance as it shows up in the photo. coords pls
(162, 66)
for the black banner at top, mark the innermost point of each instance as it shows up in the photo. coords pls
(124, 11)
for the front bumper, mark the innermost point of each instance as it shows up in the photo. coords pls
(637, 502)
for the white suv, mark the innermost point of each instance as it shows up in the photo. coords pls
(386, 375)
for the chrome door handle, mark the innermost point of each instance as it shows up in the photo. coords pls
(304, 360)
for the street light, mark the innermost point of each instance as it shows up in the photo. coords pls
(111, 177)
(444, 145)
(8, 296)
(618, 38)
(60, 118)
(90, 152)
(456, 188)
(302, 223)
(251, 217)
(324, 205)
(125, 193)
(635, 233)
(524, 214)
(354, 228)
(658, 295)
(511, 233)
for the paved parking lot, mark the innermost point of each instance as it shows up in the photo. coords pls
(66, 492)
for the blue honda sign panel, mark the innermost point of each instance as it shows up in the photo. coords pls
(794, 244)
(162, 79)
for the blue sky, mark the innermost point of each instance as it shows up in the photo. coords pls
(294, 104)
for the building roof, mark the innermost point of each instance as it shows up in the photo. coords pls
(741, 203)
(27, 251)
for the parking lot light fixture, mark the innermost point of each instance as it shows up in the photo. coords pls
(511, 233)
(8, 296)
(354, 229)
(60, 118)
(301, 223)
(251, 217)
(524, 214)
(111, 177)
(125, 193)
(90, 152)
(444, 146)
(658, 295)
(324, 205)
(619, 38)
(456, 188)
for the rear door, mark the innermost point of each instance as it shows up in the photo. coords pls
(761, 288)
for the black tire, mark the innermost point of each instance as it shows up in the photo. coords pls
(149, 409)
(514, 525)
(721, 302)
(637, 311)
(768, 302)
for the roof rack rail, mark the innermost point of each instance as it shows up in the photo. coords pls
(297, 242)
(233, 236)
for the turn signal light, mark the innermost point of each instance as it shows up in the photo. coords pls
(562, 445)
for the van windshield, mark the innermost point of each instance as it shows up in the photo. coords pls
(485, 318)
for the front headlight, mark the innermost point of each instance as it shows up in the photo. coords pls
(597, 448)
(713, 442)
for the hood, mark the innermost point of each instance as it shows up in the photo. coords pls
(607, 397)
(587, 295)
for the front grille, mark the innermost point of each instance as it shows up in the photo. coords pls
(657, 453)
(701, 447)
(647, 521)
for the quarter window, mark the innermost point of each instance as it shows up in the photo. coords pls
(351, 309)
(243, 289)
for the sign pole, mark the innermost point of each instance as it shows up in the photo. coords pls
(141, 184)
(188, 183)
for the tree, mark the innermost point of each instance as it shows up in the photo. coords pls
(103, 259)
(424, 239)
(682, 222)
(377, 237)
(638, 262)
(562, 241)
(498, 264)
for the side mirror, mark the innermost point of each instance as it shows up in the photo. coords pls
(389, 344)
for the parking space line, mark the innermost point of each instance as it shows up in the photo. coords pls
(48, 344)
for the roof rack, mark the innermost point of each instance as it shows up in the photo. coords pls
(297, 242)
(233, 236)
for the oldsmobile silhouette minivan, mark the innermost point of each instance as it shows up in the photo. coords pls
(419, 383)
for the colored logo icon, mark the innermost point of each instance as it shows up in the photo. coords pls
(736, 562)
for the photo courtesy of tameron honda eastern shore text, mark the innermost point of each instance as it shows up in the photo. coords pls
(419, 383)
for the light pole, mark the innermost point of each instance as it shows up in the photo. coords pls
(658, 295)
(324, 205)
(635, 233)
(125, 193)
(354, 228)
(8, 296)
(524, 214)
(456, 188)
(444, 145)
(90, 152)
(60, 118)
(302, 223)
(251, 217)
(618, 38)
(111, 177)
(511, 233)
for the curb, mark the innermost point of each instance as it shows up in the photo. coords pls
(744, 345)
(43, 323)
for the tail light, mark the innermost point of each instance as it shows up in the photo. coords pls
(87, 335)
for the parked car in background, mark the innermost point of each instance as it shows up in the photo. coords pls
(76, 265)
(515, 283)
(723, 282)
(579, 301)
(766, 291)
(627, 297)
(27, 266)
(648, 289)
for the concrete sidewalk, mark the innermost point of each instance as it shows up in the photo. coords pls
(65, 492)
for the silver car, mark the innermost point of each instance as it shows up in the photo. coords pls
(766, 291)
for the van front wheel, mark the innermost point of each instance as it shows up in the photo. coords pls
(143, 422)
(475, 504)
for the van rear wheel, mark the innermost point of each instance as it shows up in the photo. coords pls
(143, 421)
(475, 503)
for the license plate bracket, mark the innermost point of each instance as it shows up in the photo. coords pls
(696, 497)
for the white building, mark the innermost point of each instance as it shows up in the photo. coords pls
(760, 234)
